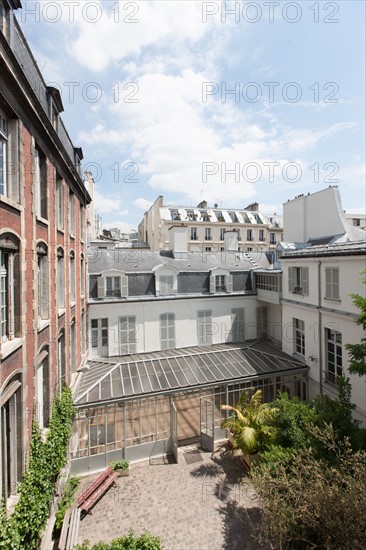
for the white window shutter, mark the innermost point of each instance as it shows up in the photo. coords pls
(212, 284)
(305, 280)
(124, 285)
(290, 279)
(101, 287)
(229, 283)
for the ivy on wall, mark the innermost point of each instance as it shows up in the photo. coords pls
(24, 527)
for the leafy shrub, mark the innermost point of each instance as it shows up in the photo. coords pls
(146, 541)
(24, 527)
(66, 500)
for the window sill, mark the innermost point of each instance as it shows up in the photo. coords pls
(72, 236)
(299, 357)
(9, 347)
(42, 220)
(72, 303)
(42, 324)
(333, 300)
(10, 202)
(60, 230)
(61, 312)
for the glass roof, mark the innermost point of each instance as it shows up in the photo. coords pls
(165, 371)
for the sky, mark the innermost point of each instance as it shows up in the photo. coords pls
(228, 102)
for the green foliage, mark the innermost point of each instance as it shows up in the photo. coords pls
(146, 541)
(357, 352)
(291, 420)
(250, 424)
(308, 503)
(24, 527)
(120, 464)
(66, 500)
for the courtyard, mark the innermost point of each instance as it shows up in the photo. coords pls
(203, 502)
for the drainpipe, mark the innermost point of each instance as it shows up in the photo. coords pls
(320, 356)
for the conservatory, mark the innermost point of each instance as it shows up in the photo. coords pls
(145, 405)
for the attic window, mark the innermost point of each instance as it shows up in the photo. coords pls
(233, 217)
(175, 215)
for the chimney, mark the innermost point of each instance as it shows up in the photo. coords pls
(178, 241)
(202, 204)
(231, 241)
(254, 207)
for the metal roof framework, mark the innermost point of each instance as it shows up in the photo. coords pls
(171, 371)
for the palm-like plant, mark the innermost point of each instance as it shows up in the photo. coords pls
(251, 422)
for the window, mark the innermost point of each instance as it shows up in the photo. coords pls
(40, 177)
(272, 238)
(208, 236)
(333, 342)
(249, 234)
(71, 214)
(11, 436)
(299, 336)
(332, 283)
(9, 158)
(193, 233)
(72, 276)
(233, 217)
(175, 215)
(237, 325)
(127, 335)
(356, 222)
(262, 323)
(82, 275)
(42, 281)
(10, 291)
(73, 358)
(99, 337)
(298, 280)
(204, 327)
(61, 360)
(261, 235)
(60, 279)
(208, 248)
(82, 222)
(222, 234)
(82, 332)
(43, 389)
(268, 282)
(166, 284)
(60, 203)
(112, 284)
(167, 330)
(222, 282)
(204, 216)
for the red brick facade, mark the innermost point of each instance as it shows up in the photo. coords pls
(36, 350)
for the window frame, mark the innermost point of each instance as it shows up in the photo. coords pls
(298, 280)
(167, 323)
(127, 346)
(299, 336)
(332, 284)
(332, 341)
(204, 320)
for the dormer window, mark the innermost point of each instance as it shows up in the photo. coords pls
(112, 284)
(233, 217)
(175, 215)
(166, 280)
(220, 281)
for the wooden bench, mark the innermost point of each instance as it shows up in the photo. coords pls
(101, 485)
(70, 529)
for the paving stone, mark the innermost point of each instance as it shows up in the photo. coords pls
(209, 505)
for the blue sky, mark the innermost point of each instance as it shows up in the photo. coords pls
(145, 90)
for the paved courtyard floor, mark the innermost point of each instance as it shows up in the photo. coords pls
(205, 502)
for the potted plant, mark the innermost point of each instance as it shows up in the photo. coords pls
(250, 429)
(122, 467)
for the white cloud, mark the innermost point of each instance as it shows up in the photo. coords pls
(142, 203)
(125, 227)
(105, 203)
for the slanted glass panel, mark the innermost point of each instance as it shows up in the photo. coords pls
(137, 388)
(126, 380)
(203, 371)
(197, 365)
(190, 371)
(182, 379)
(94, 394)
(152, 376)
(259, 365)
(213, 368)
(224, 365)
(116, 383)
(160, 374)
(145, 381)
(105, 388)
(170, 375)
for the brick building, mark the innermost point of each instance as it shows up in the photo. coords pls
(42, 249)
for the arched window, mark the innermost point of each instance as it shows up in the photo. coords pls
(60, 278)
(11, 435)
(10, 287)
(43, 388)
(43, 281)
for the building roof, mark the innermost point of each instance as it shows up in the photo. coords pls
(144, 261)
(218, 215)
(338, 248)
(168, 371)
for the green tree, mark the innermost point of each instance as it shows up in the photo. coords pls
(251, 422)
(357, 352)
